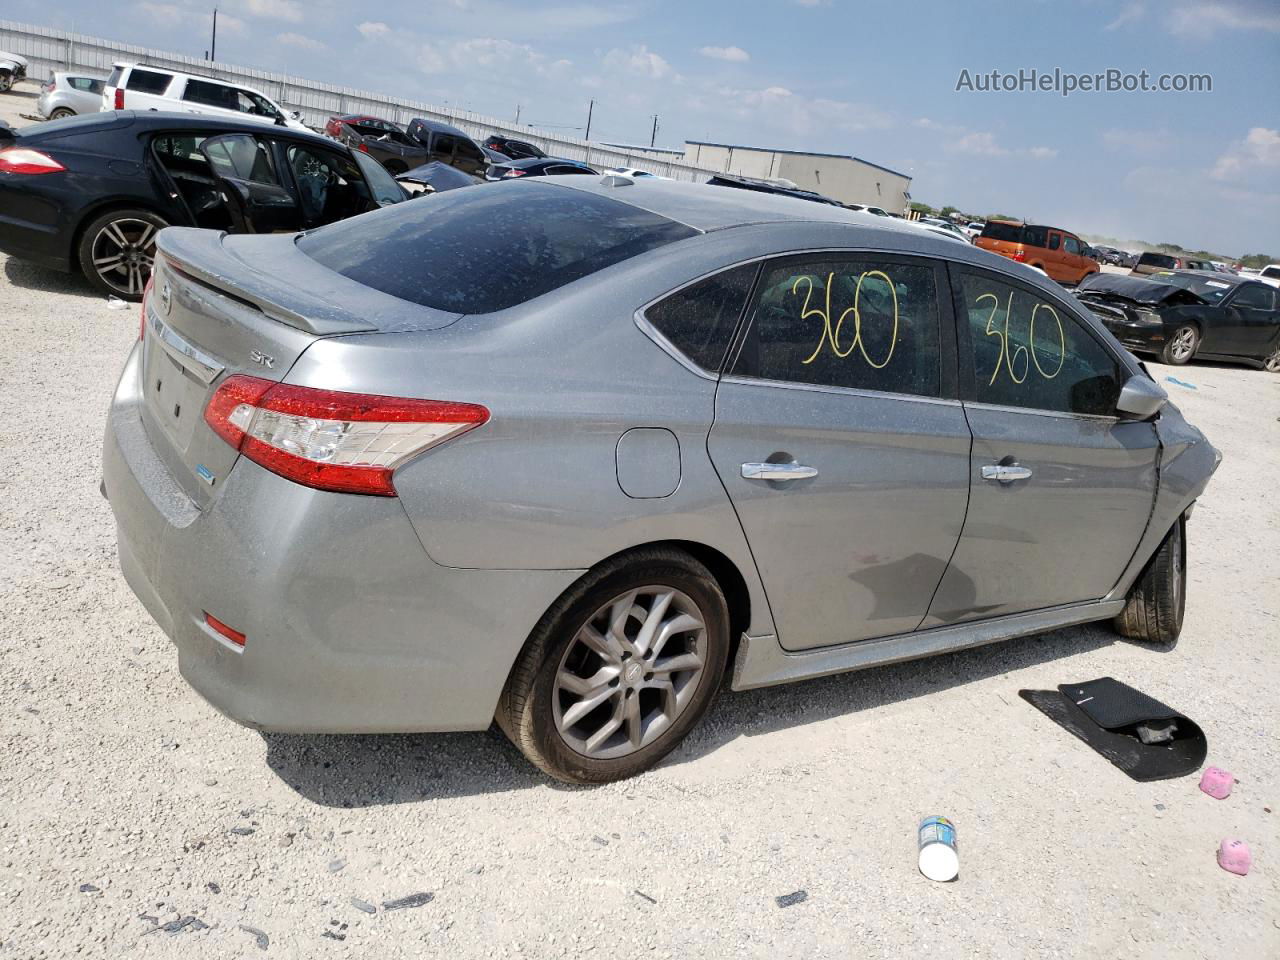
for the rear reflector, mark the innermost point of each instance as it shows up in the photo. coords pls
(235, 636)
(26, 160)
(146, 292)
(344, 442)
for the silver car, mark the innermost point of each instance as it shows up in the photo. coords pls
(566, 453)
(69, 94)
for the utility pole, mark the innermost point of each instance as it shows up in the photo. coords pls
(653, 137)
(590, 107)
(517, 114)
(213, 46)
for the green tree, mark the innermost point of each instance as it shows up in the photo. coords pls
(923, 208)
(948, 211)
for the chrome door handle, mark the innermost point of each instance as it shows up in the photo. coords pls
(778, 471)
(1006, 474)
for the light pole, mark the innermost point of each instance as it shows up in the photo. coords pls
(590, 107)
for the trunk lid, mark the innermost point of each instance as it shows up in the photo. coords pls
(226, 305)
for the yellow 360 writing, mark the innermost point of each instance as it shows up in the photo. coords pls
(831, 332)
(1008, 359)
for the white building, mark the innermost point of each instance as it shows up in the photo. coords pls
(838, 176)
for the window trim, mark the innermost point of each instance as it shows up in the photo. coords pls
(948, 369)
(968, 377)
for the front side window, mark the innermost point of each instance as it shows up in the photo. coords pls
(382, 185)
(1071, 245)
(241, 157)
(443, 145)
(699, 320)
(1255, 295)
(148, 81)
(255, 104)
(1028, 352)
(488, 248)
(856, 322)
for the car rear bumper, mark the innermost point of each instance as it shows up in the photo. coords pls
(30, 229)
(350, 626)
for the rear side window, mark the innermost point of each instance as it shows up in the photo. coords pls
(148, 81)
(488, 247)
(1255, 295)
(1031, 353)
(209, 94)
(1008, 232)
(240, 157)
(858, 322)
(699, 320)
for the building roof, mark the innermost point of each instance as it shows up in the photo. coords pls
(799, 153)
(643, 148)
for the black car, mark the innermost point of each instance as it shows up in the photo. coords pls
(90, 192)
(437, 177)
(539, 167)
(1181, 314)
(513, 149)
(381, 139)
(449, 145)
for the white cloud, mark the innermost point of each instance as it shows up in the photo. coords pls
(372, 29)
(639, 60)
(1131, 12)
(1259, 150)
(300, 40)
(1203, 19)
(731, 54)
(165, 13)
(289, 10)
(978, 145)
(1042, 153)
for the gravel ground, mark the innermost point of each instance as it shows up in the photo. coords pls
(135, 820)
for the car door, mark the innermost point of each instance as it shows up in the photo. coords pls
(328, 183)
(257, 201)
(1073, 258)
(840, 442)
(1250, 321)
(1054, 262)
(1060, 488)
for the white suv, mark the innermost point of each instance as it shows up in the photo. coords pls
(1270, 274)
(133, 86)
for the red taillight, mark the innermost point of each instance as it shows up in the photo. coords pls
(363, 149)
(119, 98)
(235, 636)
(26, 160)
(513, 173)
(1020, 256)
(146, 292)
(330, 440)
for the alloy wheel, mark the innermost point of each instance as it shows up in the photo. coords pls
(1272, 363)
(1184, 342)
(123, 252)
(630, 671)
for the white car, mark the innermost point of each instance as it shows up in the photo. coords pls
(134, 86)
(1270, 274)
(878, 211)
(975, 228)
(12, 69)
(634, 173)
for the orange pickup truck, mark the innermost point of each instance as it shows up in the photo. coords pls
(1060, 254)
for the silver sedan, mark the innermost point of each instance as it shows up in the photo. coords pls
(566, 453)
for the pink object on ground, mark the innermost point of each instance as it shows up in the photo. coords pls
(1233, 856)
(1216, 783)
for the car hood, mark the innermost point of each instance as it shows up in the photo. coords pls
(439, 176)
(1110, 286)
(21, 61)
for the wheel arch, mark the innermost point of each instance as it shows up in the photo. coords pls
(106, 205)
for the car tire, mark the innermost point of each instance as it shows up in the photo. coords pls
(61, 113)
(127, 235)
(1156, 603)
(6, 83)
(1181, 347)
(641, 711)
(1272, 363)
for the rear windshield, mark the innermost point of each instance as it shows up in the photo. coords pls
(488, 247)
(1157, 260)
(1009, 232)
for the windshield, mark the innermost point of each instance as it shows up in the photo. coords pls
(1206, 288)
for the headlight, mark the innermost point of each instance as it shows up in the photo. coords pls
(1149, 316)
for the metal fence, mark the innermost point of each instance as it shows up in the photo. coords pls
(48, 50)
